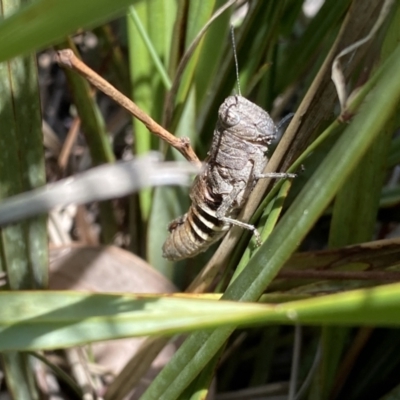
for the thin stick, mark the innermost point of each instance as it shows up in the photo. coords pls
(69, 142)
(67, 58)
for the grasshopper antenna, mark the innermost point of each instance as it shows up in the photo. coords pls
(284, 122)
(235, 58)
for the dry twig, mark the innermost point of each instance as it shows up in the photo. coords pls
(67, 58)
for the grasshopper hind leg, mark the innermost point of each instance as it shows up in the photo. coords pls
(243, 225)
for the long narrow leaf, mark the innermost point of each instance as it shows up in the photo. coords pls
(48, 320)
(45, 22)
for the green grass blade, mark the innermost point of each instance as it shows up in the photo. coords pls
(198, 15)
(31, 320)
(150, 28)
(164, 209)
(23, 247)
(155, 58)
(45, 22)
(142, 73)
(19, 377)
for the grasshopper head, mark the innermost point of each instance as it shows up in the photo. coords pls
(246, 120)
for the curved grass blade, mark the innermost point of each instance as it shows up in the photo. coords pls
(45, 22)
(32, 320)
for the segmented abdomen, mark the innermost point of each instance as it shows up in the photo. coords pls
(199, 228)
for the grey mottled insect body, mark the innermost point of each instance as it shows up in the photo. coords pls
(233, 166)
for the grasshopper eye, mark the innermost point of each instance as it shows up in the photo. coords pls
(230, 118)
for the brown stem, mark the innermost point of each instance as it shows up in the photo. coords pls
(67, 58)
(341, 275)
(68, 144)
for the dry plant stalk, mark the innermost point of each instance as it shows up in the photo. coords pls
(381, 276)
(67, 58)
